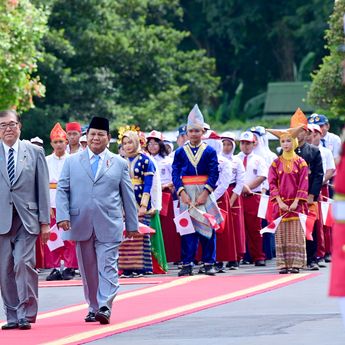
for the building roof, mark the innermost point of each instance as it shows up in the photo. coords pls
(285, 97)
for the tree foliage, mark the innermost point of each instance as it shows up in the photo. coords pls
(327, 90)
(256, 42)
(22, 26)
(121, 59)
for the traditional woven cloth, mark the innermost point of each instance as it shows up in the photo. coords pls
(201, 225)
(290, 245)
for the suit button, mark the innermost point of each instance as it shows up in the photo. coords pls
(11, 203)
(11, 190)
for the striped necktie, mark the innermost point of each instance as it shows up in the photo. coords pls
(10, 165)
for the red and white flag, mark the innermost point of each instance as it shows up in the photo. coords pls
(55, 239)
(327, 215)
(145, 229)
(307, 223)
(272, 227)
(265, 208)
(183, 222)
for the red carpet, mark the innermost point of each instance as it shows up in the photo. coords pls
(124, 281)
(147, 306)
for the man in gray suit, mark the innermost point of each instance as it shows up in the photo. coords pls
(93, 191)
(24, 213)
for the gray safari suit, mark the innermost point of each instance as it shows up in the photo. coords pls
(23, 207)
(95, 208)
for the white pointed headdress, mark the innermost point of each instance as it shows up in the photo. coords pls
(195, 119)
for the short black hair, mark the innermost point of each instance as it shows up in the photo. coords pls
(8, 112)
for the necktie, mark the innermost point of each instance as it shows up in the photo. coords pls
(10, 165)
(323, 141)
(245, 162)
(94, 165)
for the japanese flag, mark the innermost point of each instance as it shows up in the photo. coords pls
(55, 240)
(265, 208)
(307, 223)
(272, 227)
(184, 225)
(326, 210)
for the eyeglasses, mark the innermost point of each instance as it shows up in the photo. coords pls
(152, 144)
(11, 125)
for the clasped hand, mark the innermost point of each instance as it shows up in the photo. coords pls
(284, 207)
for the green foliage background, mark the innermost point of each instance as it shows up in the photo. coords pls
(147, 62)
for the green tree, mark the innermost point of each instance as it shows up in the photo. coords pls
(22, 26)
(256, 42)
(327, 89)
(121, 59)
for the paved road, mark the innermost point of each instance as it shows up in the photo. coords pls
(298, 314)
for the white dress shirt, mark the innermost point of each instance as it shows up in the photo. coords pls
(333, 142)
(55, 165)
(256, 166)
(327, 158)
(164, 165)
(101, 159)
(225, 175)
(15, 153)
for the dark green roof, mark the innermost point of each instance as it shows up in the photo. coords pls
(286, 97)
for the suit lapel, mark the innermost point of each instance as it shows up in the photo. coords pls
(21, 160)
(106, 164)
(3, 168)
(85, 163)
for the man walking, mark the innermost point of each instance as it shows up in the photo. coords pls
(93, 191)
(24, 213)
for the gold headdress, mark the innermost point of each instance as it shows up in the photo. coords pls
(124, 129)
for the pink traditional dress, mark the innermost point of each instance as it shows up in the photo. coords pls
(288, 178)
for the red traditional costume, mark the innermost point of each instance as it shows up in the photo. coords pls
(288, 179)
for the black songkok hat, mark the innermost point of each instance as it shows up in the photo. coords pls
(99, 123)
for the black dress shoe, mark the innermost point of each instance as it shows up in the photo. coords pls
(68, 274)
(24, 324)
(103, 316)
(10, 325)
(260, 263)
(55, 274)
(90, 317)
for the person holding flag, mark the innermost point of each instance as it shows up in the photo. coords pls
(195, 175)
(67, 253)
(311, 154)
(288, 181)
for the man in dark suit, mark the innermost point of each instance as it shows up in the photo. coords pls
(24, 213)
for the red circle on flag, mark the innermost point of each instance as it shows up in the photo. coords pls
(53, 236)
(184, 222)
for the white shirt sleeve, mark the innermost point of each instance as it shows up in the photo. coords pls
(262, 168)
(224, 177)
(240, 175)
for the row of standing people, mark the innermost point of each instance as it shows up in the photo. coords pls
(242, 178)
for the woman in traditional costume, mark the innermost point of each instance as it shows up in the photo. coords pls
(135, 255)
(288, 181)
(172, 240)
(225, 237)
(236, 183)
